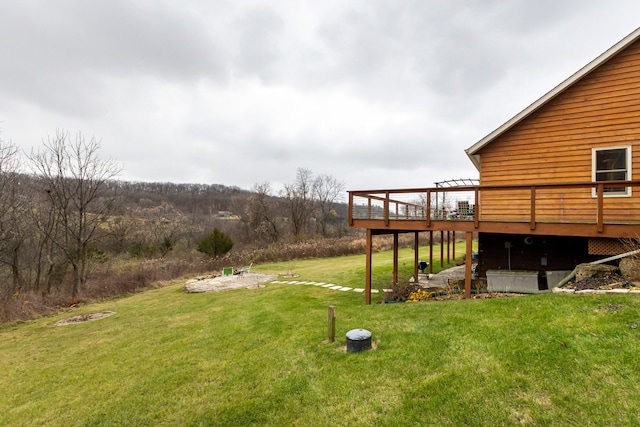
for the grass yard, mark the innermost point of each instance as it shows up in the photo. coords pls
(260, 358)
(350, 270)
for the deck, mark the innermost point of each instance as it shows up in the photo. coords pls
(583, 209)
(570, 209)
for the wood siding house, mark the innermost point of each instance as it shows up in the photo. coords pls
(556, 183)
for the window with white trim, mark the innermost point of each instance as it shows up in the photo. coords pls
(612, 164)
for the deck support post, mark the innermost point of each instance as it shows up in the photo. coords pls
(467, 265)
(448, 246)
(395, 258)
(431, 251)
(442, 249)
(415, 258)
(367, 288)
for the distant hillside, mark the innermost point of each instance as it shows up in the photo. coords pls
(195, 199)
(190, 199)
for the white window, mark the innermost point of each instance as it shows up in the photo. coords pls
(612, 164)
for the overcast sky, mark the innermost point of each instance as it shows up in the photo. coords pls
(376, 93)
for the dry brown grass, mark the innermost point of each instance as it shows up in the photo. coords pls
(124, 276)
(120, 277)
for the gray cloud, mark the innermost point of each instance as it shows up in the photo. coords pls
(259, 47)
(378, 93)
(66, 55)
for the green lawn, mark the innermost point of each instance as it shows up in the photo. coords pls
(350, 270)
(259, 358)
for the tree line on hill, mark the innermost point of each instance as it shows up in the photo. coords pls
(63, 211)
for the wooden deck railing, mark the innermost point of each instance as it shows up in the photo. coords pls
(586, 202)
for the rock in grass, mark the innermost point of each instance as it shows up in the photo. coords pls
(630, 269)
(585, 271)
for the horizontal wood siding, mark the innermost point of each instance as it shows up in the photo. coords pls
(554, 145)
(552, 205)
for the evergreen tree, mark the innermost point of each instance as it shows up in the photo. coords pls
(215, 244)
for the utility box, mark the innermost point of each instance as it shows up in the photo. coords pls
(518, 281)
(358, 340)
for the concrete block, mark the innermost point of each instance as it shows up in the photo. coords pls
(518, 281)
(555, 277)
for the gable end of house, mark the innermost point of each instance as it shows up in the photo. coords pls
(473, 152)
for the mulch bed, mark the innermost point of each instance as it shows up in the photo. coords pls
(606, 282)
(401, 293)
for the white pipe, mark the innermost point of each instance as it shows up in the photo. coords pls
(602, 261)
(613, 258)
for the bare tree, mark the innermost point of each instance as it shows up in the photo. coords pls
(26, 226)
(9, 165)
(165, 226)
(327, 190)
(299, 198)
(11, 210)
(75, 180)
(260, 213)
(120, 229)
(47, 258)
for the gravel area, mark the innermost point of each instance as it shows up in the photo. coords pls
(219, 283)
(442, 278)
(85, 318)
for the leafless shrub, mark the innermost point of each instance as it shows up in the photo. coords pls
(121, 276)
(23, 306)
(401, 292)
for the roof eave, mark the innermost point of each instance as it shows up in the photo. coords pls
(475, 159)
